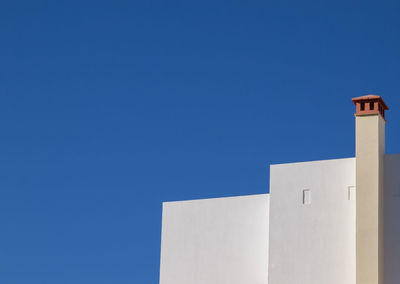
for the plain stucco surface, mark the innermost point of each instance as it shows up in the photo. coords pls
(215, 241)
(312, 243)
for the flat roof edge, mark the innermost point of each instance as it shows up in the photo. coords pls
(313, 161)
(215, 198)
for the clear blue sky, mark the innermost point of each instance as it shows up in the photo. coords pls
(109, 108)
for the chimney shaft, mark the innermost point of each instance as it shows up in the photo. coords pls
(370, 155)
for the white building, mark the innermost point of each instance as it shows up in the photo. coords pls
(310, 229)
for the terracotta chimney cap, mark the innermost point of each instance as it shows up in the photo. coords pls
(370, 98)
(370, 104)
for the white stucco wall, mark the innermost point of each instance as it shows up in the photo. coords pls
(392, 219)
(312, 243)
(215, 241)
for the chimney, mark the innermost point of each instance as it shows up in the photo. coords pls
(370, 155)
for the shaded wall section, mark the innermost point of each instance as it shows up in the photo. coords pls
(392, 219)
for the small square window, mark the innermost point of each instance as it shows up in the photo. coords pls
(351, 194)
(306, 196)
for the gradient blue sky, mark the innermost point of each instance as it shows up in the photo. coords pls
(109, 108)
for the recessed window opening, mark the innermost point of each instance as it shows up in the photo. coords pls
(362, 106)
(351, 193)
(306, 196)
(371, 106)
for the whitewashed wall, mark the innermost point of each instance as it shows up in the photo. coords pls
(225, 240)
(215, 241)
(392, 219)
(312, 243)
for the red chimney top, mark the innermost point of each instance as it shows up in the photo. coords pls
(370, 104)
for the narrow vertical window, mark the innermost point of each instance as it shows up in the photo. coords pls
(351, 194)
(306, 196)
(362, 106)
(371, 106)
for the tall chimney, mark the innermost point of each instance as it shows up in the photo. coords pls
(370, 154)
